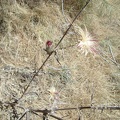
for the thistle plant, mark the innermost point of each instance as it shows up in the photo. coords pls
(87, 44)
(54, 97)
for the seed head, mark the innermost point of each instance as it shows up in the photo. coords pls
(87, 43)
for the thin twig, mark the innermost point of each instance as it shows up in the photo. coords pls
(66, 20)
(103, 55)
(41, 111)
(117, 64)
(35, 75)
(80, 108)
(28, 115)
(37, 114)
(48, 112)
(111, 52)
(53, 50)
(55, 117)
(79, 113)
(44, 112)
(92, 107)
(72, 22)
(92, 94)
(22, 115)
(63, 11)
(103, 58)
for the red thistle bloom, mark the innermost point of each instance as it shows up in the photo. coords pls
(48, 47)
(48, 43)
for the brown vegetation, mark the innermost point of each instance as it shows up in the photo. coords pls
(26, 25)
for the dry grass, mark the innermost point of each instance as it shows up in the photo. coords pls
(24, 29)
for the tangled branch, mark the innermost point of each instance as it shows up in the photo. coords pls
(48, 112)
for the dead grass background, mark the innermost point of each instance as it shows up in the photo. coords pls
(25, 26)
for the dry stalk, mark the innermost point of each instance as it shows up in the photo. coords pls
(54, 48)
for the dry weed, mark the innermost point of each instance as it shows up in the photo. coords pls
(81, 80)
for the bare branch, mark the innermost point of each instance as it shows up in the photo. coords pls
(55, 117)
(22, 115)
(72, 23)
(36, 114)
(93, 107)
(53, 50)
(48, 112)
